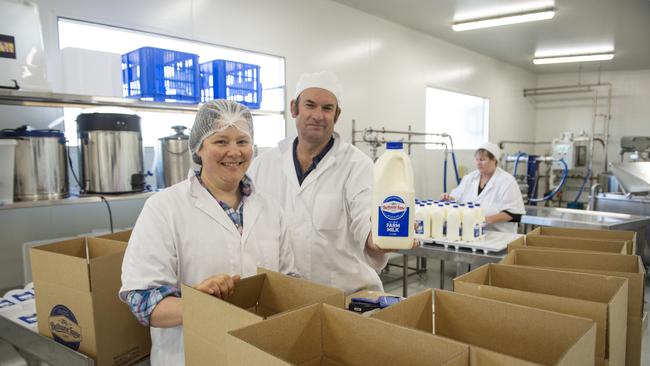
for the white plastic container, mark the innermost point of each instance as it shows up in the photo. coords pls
(7, 161)
(422, 222)
(393, 212)
(480, 221)
(453, 224)
(437, 221)
(468, 223)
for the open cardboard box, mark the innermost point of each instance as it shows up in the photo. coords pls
(621, 235)
(619, 265)
(571, 243)
(207, 319)
(497, 332)
(324, 335)
(600, 298)
(76, 283)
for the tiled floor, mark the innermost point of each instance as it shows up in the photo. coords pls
(431, 279)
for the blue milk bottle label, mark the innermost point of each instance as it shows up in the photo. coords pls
(477, 231)
(394, 217)
(419, 227)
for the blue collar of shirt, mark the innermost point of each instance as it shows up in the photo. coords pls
(314, 163)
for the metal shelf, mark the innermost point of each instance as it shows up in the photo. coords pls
(74, 200)
(59, 100)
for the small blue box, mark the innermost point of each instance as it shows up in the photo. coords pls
(161, 75)
(236, 81)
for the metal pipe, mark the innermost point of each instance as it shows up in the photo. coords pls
(548, 90)
(383, 130)
(353, 132)
(593, 131)
(503, 142)
(607, 121)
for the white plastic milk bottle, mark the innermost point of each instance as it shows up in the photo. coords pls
(453, 223)
(480, 220)
(468, 221)
(422, 222)
(393, 211)
(438, 221)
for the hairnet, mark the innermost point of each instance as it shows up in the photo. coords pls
(216, 116)
(324, 80)
(492, 148)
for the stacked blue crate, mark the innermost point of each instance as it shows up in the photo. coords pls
(161, 75)
(237, 81)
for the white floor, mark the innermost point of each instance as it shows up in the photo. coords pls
(431, 279)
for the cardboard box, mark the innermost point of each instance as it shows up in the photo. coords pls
(122, 236)
(76, 283)
(600, 298)
(619, 265)
(207, 319)
(499, 333)
(324, 335)
(627, 236)
(565, 243)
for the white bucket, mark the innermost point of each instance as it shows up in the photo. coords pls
(7, 160)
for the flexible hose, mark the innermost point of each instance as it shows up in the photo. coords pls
(514, 170)
(453, 159)
(582, 187)
(444, 176)
(559, 186)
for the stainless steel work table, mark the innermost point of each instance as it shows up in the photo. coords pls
(42, 348)
(460, 256)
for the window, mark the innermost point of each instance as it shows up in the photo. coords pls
(464, 117)
(269, 127)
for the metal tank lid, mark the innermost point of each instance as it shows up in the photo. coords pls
(29, 131)
(179, 135)
(108, 119)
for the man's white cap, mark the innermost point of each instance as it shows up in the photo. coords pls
(324, 80)
(492, 148)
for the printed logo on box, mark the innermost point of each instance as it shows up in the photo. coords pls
(64, 327)
(393, 217)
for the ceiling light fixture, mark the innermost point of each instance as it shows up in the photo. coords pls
(505, 19)
(604, 56)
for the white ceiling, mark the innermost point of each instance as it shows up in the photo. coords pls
(578, 25)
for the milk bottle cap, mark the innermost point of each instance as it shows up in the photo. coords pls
(395, 145)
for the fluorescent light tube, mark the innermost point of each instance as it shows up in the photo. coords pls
(505, 19)
(573, 58)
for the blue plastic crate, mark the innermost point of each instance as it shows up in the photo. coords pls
(237, 81)
(160, 75)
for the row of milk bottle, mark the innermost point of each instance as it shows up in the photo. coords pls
(449, 220)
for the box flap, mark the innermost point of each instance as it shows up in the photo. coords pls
(63, 263)
(609, 246)
(590, 233)
(511, 329)
(294, 337)
(281, 293)
(483, 357)
(351, 339)
(105, 264)
(123, 236)
(414, 312)
(247, 291)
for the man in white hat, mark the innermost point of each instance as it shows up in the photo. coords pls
(495, 189)
(324, 186)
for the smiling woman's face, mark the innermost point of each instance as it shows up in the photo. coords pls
(226, 155)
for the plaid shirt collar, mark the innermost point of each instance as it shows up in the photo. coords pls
(235, 215)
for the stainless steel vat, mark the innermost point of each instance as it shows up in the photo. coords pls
(41, 159)
(173, 158)
(110, 147)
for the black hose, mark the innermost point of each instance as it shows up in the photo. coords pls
(81, 189)
(110, 214)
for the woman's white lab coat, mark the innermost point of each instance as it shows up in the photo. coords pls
(184, 236)
(501, 193)
(328, 216)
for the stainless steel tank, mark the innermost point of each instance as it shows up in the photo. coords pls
(110, 146)
(173, 158)
(41, 158)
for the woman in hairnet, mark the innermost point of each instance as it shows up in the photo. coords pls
(492, 187)
(207, 231)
